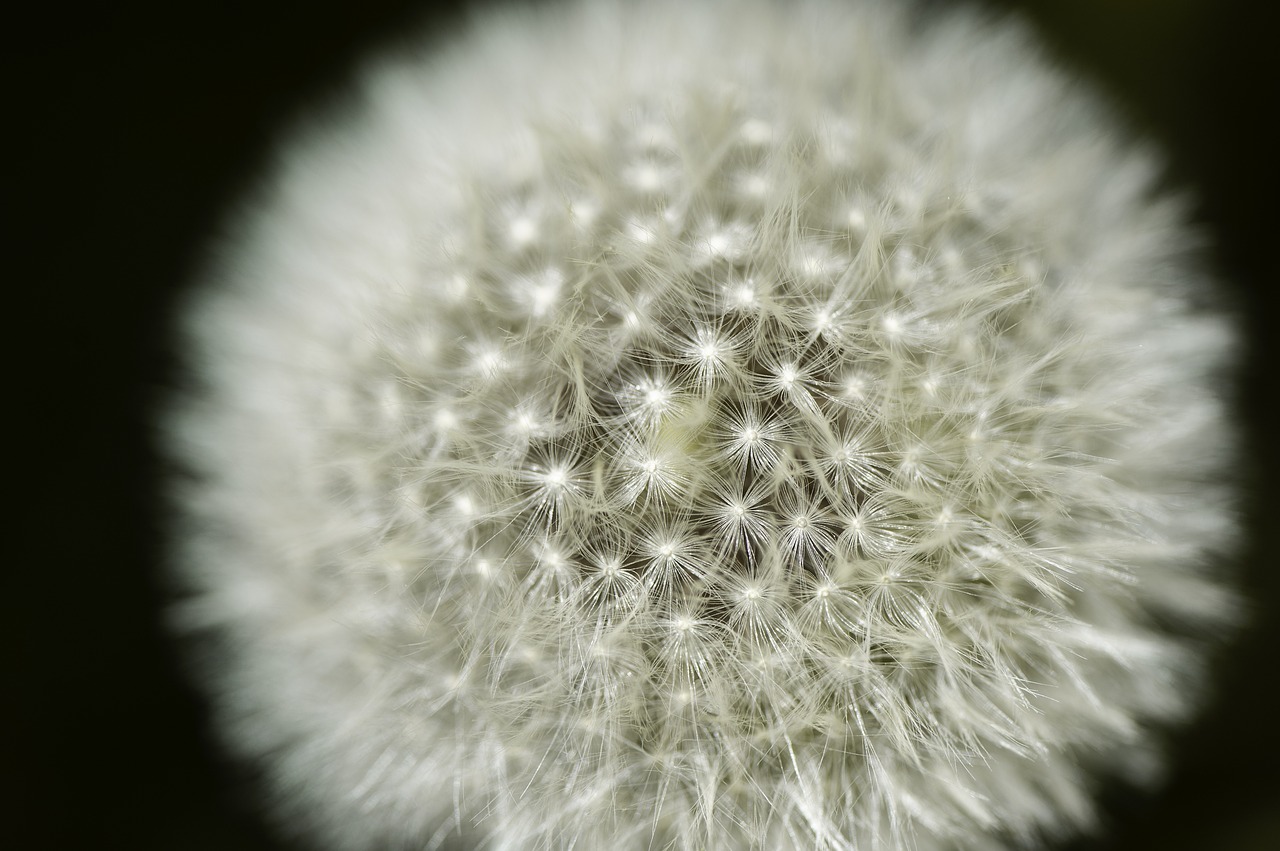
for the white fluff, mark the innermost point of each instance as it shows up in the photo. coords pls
(705, 425)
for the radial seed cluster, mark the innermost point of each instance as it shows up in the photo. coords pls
(792, 447)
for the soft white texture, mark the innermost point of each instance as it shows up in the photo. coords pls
(704, 426)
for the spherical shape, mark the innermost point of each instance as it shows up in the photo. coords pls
(705, 426)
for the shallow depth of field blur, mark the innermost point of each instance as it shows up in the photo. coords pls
(138, 123)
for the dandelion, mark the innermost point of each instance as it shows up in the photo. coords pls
(705, 425)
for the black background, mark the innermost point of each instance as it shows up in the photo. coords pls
(133, 126)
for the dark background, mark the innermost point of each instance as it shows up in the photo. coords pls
(133, 126)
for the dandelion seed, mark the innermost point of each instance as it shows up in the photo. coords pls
(751, 441)
(711, 356)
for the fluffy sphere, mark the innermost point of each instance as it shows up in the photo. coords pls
(704, 426)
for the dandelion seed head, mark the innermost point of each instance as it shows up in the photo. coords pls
(701, 434)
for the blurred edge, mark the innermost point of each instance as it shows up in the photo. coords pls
(136, 126)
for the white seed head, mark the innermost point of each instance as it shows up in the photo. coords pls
(706, 425)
